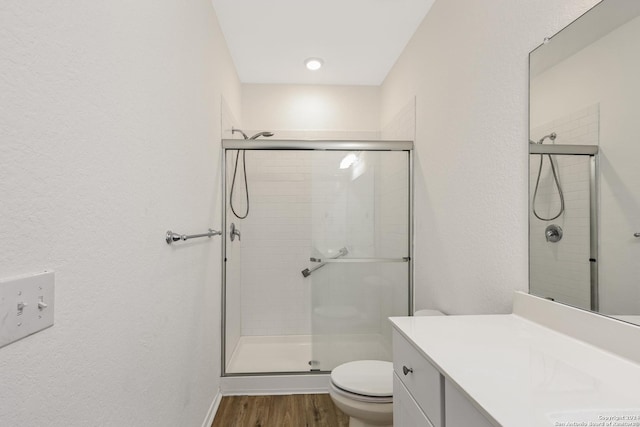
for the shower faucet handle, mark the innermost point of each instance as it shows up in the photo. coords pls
(234, 232)
(636, 234)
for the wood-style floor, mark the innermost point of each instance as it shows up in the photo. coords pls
(297, 410)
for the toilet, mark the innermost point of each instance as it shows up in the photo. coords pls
(363, 389)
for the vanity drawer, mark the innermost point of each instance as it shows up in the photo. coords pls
(422, 380)
(406, 412)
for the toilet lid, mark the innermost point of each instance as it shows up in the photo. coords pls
(365, 377)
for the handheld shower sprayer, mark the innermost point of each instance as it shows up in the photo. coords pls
(552, 136)
(244, 170)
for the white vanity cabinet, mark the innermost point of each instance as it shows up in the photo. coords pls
(406, 411)
(515, 370)
(422, 381)
(459, 411)
(423, 397)
(416, 383)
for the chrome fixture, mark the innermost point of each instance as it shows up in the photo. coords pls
(174, 237)
(307, 271)
(636, 234)
(552, 136)
(244, 171)
(256, 136)
(234, 232)
(553, 233)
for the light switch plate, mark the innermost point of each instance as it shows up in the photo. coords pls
(26, 306)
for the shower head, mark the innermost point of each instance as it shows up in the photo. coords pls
(552, 136)
(259, 134)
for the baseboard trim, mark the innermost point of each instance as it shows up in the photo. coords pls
(212, 410)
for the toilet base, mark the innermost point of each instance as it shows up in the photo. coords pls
(362, 414)
(359, 423)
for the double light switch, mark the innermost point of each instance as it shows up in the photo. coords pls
(26, 306)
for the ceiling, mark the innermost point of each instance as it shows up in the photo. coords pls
(358, 40)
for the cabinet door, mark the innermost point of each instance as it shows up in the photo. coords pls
(406, 412)
(422, 380)
(459, 411)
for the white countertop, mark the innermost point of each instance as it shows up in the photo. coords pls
(522, 374)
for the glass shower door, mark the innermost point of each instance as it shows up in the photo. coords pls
(359, 265)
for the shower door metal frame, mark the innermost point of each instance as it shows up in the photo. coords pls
(579, 150)
(308, 145)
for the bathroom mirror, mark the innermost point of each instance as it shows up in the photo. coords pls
(584, 126)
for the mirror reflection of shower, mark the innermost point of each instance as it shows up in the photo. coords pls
(555, 170)
(244, 172)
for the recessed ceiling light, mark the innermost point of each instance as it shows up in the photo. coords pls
(313, 63)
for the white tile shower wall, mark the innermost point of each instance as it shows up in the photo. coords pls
(561, 270)
(581, 127)
(392, 234)
(303, 205)
(276, 244)
(234, 254)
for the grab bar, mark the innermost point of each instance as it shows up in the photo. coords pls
(307, 271)
(174, 237)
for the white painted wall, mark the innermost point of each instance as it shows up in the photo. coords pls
(308, 111)
(606, 72)
(467, 66)
(110, 128)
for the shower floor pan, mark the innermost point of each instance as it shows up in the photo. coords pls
(293, 353)
(259, 354)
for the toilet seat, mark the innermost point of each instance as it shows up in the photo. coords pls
(359, 397)
(364, 380)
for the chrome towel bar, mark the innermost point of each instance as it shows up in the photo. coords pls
(174, 237)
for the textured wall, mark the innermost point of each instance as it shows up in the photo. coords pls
(467, 67)
(109, 130)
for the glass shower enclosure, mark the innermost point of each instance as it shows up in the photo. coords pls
(317, 256)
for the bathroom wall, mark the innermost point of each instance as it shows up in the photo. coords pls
(276, 243)
(312, 111)
(606, 73)
(467, 66)
(110, 129)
